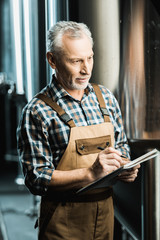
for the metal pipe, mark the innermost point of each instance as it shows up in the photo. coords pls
(16, 7)
(51, 19)
(31, 49)
(151, 200)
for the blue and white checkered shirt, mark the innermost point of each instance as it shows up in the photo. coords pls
(43, 137)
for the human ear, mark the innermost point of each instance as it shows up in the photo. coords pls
(51, 60)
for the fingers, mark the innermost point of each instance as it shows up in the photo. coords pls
(111, 154)
(110, 165)
(110, 157)
(107, 161)
(130, 172)
(136, 167)
(108, 150)
(128, 175)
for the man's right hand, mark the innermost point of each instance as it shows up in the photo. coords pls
(107, 161)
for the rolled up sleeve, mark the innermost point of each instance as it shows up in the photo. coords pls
(34, 152)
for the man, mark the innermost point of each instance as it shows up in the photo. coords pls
(70, 135)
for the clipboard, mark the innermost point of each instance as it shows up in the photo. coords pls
(111, 178)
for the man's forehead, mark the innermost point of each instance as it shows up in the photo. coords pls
(78, 55)
(73, 40)
(81, 46)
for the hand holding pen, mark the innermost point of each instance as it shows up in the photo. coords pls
(108, 160)
(122, 156)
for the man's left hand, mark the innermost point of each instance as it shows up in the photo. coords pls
(129, 175)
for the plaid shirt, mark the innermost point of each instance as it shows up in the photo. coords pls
(43, 137)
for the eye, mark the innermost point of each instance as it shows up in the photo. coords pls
(90, 58)
(77, 61)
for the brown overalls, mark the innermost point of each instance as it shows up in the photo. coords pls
(86, 217)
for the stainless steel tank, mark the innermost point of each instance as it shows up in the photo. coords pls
(139, 93)
(127, 59)
(139, 97)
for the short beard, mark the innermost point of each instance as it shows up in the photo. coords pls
(76, 86)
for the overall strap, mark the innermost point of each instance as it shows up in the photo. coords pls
(61, 113)
(101, 102)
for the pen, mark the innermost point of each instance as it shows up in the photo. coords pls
(101, 148)
(123, 156)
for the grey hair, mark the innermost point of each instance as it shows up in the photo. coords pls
(72, 29)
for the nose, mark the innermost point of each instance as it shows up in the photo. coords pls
(86, 68)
